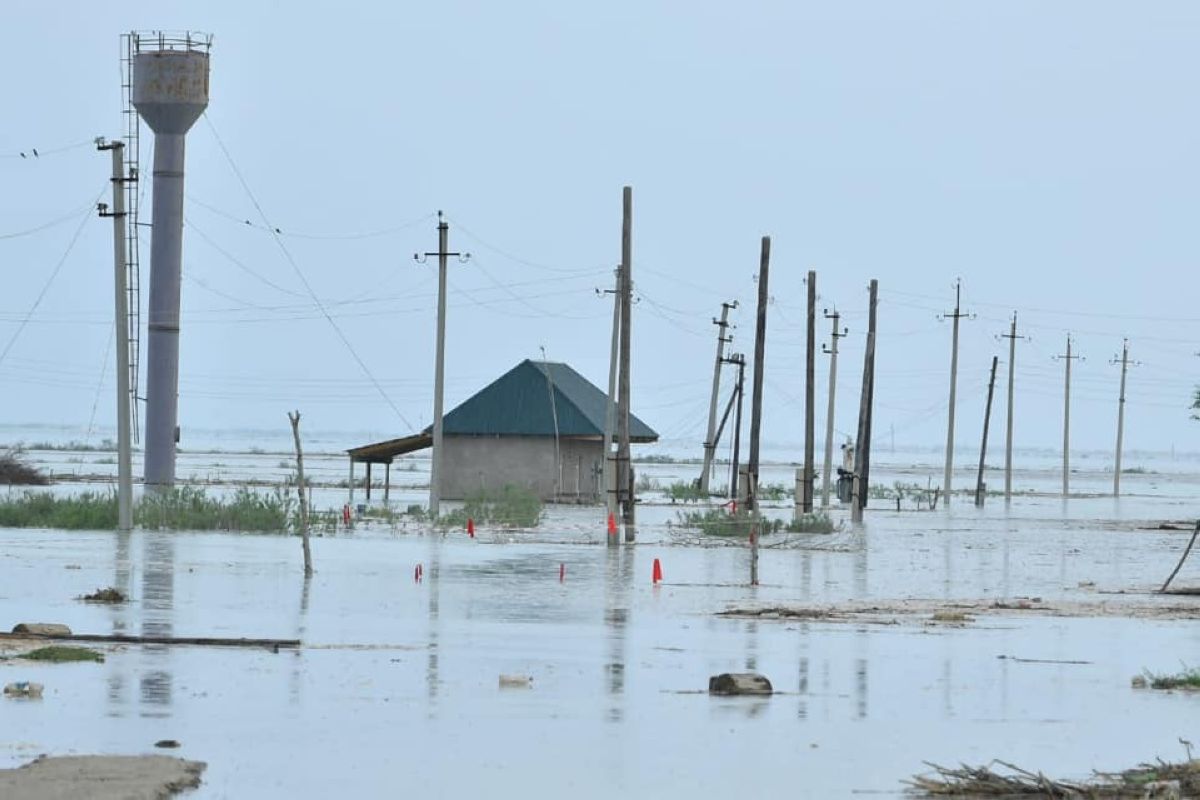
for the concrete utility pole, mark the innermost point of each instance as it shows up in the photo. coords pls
(710, 444)
(862, 455)
(624, 467)
(1124, 362)
(955, 316)
(735, 466)
(810, 395)
(121, 314)
(760, 346)
(832, 351)
(1008, 434)
(608, 471)
(439, 374)
(987, 419)
(1066, 475)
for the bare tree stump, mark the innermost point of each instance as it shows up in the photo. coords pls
(294, 418)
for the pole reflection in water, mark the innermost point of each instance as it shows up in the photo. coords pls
(158, 601)
(618, 578)
(301, 631)
(802, 689)
(432, 674)
(123, 581)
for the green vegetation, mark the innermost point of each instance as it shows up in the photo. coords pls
(86, 511)
(816, 522)
(189, 508)
(59, 654)
(646, 483)
(511, 507)
(111, 595)
(14, 470)
(105, 445)
(1188, 678)
(686, 492)
(656, 458)
(775, 491)
(718, 522)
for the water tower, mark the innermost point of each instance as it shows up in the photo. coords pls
(170, 92)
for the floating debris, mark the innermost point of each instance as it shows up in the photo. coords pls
(111, 595)
(1146, 780)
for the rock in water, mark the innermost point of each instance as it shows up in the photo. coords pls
(739, 683)
(42, 629)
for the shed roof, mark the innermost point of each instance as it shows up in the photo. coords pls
(518, 404)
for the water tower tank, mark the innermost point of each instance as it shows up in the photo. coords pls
(170, 92)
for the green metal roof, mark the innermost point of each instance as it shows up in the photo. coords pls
(518, 404)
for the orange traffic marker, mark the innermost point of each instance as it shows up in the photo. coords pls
(657, 576)
(612, 525)
(470, 527)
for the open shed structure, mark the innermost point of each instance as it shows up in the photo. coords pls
(539, 426)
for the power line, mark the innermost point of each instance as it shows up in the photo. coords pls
(35, 153)
(54, 274)
(300, 274)
(46, 225)
(371, 234)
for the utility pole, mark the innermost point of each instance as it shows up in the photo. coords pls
(121, 311)
(610, 412)
(810, 394)
(1008, 434)
(710, 444)
(987, 419)
(624, 467)
(1066, 475)
(955, 316)
(735, 466)
(439, 375)
(832, 351)
(862, 455)
(1124, 362)
(760, 346)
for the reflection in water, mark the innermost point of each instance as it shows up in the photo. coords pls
(618, 578)
(431, 665)
(860, 687)
(752, 646)
(158, 602)
(122, 580)
(802, 689)
(301, 631)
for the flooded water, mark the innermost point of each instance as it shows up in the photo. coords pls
(396, 687)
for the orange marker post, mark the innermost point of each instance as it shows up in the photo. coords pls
(657, 577)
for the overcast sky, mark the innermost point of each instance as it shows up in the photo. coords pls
(1043, 152)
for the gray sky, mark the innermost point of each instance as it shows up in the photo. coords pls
(1042, 152)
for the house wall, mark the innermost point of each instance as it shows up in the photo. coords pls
(472, 463)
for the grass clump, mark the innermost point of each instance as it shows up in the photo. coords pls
(111, 595)
(686, 492)
(511, 507)
(61, 654)
(86, 511)
(717, 522)
(1188, 678)
(189, 508)
(816, 522)
(1160, 779)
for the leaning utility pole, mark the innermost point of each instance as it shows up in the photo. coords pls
(862, 455)
(987, 419)
(760, 346)
(1008, 435)
(609, 488)
(710, 444)
(1120, 418)
(1066, 475)
(810, 395)
(439, 375)
(735, 466)
(832, 351)
(624, 468)
(956, 315)
(124, 451)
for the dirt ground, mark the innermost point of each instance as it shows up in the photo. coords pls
(100, 778)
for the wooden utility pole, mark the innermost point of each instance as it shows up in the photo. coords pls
(1124, 361)
(439, 375)
(1066, 475)
(624, 467)
(987, 419)
(760, 346)
(862, 455)
(735, 466)
(832, 351)
(710, 443)
(1008, 434)
(607, 467)
(810, 395)
(294, 418)
(955, 316)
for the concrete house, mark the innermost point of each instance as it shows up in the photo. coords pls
(540, 425)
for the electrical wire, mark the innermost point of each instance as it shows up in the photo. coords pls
(33, 153)
(50, 281)
(300, 274)
(371, 234)
(46, 225)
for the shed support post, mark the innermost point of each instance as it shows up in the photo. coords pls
(387, 482)
(368, 481)
(350, 501)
